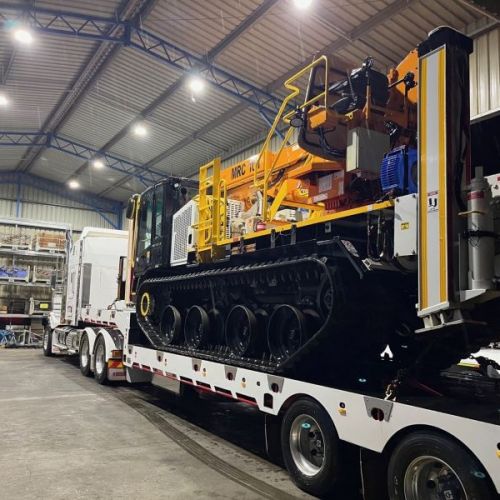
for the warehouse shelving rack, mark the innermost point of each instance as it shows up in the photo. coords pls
(33, 256)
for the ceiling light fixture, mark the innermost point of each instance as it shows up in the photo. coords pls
(98, 163)
(3, 100)
(23, 36)
(73, 184)
(140, 130)
(302, 4)
(196, 84)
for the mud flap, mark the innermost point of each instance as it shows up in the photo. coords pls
(272, 431)
(373, 474)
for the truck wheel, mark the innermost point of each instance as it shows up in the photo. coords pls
(428, 465)
(84, 352)
(310, 447)
(47, 342)
(101, 365)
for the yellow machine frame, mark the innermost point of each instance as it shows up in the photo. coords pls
(291, 162)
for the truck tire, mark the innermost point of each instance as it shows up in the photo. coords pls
(428, 465)
(84, 355)
(310, 448)
(100, 362)
(47, 342)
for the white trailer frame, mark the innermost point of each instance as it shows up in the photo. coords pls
(368, 422)
(372, 424)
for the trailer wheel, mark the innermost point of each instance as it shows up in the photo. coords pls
(47, 342)
(101, 365)
(428, 465)
(310, 447)
(84, 354)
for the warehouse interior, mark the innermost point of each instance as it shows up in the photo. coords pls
(101, 100)
(89, 90)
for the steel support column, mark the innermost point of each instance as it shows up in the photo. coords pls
(18, 198)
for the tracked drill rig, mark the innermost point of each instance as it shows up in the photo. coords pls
(362, 230)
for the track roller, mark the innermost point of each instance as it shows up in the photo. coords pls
(241, 330)
(286, 331)
(196, 327)
(171, 324)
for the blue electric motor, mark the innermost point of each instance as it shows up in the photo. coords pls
(398, 172)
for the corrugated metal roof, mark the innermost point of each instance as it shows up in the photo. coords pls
(237, 129)
(96, 120)
(104, 8)
(142, 149)
(282, 39)
(39, 76)
(122, 193)
(186, 161)
(133, 80)
(197, 26)
(10, 155)
(180, 110)
(55, 165)
(287, 37)
(58, 166)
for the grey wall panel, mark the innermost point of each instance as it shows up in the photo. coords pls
(485, 74)
(40, 205)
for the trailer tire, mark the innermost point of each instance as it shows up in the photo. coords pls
(84, 356)
(100, 362)
(428, 460)
(307, 423)
(47, 342)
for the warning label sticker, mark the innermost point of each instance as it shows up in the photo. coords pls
(432, 201)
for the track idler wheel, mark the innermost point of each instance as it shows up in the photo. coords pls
(286, 331)
(196, 327)
(146, 304)
(171, 324)
(241, 330)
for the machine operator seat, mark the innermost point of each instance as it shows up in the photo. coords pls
(348, 95)
(352, 90)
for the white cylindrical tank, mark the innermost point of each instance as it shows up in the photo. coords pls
(481, 242)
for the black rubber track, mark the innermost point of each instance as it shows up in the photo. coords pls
(212, 277)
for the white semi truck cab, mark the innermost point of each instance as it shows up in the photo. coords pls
(89, 324)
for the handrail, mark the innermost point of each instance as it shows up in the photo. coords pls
(289, 84)
(211, 210)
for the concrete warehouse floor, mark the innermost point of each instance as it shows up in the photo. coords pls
(64, 436)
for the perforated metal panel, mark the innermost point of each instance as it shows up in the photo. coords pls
(183, 234)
